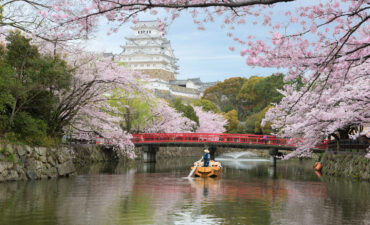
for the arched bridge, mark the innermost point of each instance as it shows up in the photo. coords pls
(221, 140)
(150, 142)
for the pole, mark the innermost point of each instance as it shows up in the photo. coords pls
(195, 167)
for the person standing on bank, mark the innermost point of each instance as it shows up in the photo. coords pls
(206, 158)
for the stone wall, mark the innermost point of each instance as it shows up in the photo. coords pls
(159, 73)
(170, 97)
(177, 152)
(25, 162)
(350, 165)
(87, 154)
(19, 162)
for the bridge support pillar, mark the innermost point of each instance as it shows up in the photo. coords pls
(274, 153)
(149, 167)
(273, 160)
(149, 153)
(212, 152)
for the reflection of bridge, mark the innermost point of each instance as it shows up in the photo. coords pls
(150, 142)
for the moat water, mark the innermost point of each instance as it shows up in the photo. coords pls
(250, 191)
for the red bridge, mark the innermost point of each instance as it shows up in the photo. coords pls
(150, 142)
(214, 139)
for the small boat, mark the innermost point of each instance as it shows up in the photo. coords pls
(317, 166)
(213, 170)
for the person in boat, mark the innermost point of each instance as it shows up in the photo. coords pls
(206, 158)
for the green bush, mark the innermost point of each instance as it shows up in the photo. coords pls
(29, 129)
(10, 156)
(206, 105)
(186, 110)
(50, 141)
(30, 85)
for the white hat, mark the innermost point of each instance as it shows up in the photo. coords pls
(206, 150)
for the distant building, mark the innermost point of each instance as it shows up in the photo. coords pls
(147, 50)
(191, 88)
(193, 83)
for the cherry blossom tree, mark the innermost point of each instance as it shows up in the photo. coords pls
(210, 122)
(166, 119)
(315, 117)
(86, 13)
(42, 19)
(84, 111)
(330, 56)
(142, 112)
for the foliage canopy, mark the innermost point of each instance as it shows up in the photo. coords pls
(29, 88)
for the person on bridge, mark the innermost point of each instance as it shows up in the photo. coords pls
(206, 158)
(265, 139)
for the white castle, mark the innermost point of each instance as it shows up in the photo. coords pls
(147, 50)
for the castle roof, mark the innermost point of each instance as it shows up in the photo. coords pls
(153, 24)
(183, 82)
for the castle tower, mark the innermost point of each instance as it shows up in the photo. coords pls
(147, 50)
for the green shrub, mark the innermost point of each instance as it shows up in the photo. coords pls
(10, 156)
(30, 85)
(187, 111)
(48, 141)
(29, 129)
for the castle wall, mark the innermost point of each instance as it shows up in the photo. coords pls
(161, 74)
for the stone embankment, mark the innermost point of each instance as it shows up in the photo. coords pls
(350, 165)
(178, 152)
(25, 162)
(19, 162)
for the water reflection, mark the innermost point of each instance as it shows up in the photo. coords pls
(129, 193)
(91, 199)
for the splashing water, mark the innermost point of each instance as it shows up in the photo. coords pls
(237, 155)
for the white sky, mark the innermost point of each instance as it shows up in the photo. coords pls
(203, 54)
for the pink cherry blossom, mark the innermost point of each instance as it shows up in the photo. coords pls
(167, 120)
(210, 122)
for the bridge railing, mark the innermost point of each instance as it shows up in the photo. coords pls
(218, 138)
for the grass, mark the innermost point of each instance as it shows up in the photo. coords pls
(10, 156)
(12, 138)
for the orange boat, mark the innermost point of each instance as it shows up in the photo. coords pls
(213, 170)
(317, 166)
